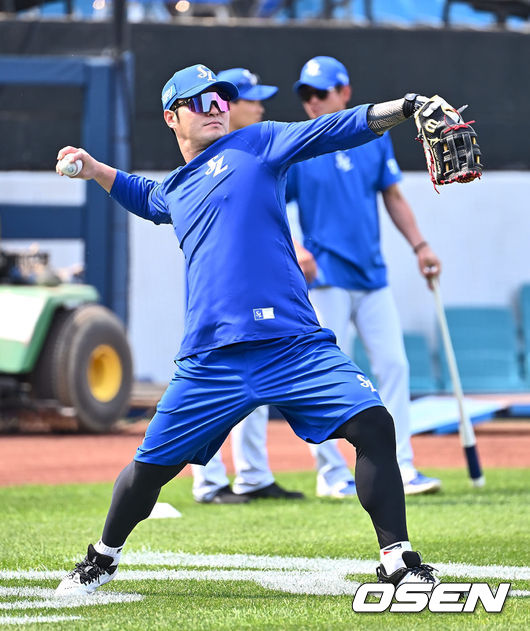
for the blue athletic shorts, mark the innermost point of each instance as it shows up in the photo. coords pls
(315, 386)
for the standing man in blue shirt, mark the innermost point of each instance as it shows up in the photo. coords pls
(254, 479)
(341, 258)
(251, 336)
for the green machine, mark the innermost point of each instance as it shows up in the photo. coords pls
(60, 351)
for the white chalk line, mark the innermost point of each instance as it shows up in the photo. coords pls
(45, 599)
(296, 575)
(25, 592)
(313, 583)
(342, 566)
(18, 620)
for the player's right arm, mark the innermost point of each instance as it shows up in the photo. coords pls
(139, 195)
(102, 173)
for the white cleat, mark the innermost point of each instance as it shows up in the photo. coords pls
(414, 571)
(95, 570)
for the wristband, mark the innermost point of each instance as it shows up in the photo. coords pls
(412, 103)
(409, 104)
(418, 247)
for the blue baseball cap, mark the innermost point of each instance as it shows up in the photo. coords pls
(322, 73)
(247, 84)
(192, 81)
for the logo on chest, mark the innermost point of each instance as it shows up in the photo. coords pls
(343, 161)
(215, 166)
(266, 313)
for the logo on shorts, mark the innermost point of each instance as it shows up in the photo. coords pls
(366, 383)
(264, 314)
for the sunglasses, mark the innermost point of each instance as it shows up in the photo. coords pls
(306, 92)
(202, 103)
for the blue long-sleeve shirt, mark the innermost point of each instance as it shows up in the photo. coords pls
(227, 207)
(337, 202)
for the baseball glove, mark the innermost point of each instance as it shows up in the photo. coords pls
(450, 145)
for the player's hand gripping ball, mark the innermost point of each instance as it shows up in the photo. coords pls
(450, 144)
(68, 167)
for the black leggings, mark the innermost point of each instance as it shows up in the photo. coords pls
(135, 493)
(377, 475)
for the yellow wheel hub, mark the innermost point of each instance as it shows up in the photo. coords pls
(104, 373)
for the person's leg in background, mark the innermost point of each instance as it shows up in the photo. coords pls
(211, 484)
(254, 479)
(334, 478)
(249, 451)
(377, 322)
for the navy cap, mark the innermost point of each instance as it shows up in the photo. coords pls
(192, 81)
(247, 84)
(323, 73)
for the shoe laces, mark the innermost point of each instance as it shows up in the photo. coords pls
(88, 571)
(423, 572)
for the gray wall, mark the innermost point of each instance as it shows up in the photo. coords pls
(487, 69)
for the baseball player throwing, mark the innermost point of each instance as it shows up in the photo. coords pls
(251, 335)
(254, 479)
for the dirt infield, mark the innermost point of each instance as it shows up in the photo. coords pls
(44, 458)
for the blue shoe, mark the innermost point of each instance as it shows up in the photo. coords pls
(422, 484)
(339, 491)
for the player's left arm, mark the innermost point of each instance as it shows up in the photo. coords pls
(283, 144)
(403, 218)
(286, 143)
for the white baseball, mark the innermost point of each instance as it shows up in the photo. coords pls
(69, 168)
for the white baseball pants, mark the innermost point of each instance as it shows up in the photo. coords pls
(376, 320)
(249, 453)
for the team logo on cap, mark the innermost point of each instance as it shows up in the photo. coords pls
(205, 73)
(312, 68)
(169, 93)
(251, 77)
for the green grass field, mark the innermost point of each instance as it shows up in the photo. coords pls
(46, 528)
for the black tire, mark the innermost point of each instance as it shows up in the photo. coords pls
(86, 364)
(43, 376)
(93, 367)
